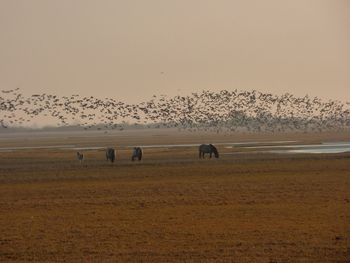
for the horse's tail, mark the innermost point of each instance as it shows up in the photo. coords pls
(200, 151)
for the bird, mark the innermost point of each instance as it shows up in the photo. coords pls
(221, 111)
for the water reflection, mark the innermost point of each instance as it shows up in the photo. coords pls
(327, 147)
(258, 146)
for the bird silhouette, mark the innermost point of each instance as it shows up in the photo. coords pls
(223, 111)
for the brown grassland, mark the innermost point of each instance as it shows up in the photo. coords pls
(172, 207)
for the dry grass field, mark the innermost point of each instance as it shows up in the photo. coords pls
(172, 207)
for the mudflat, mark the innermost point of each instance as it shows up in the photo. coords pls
(171, 206)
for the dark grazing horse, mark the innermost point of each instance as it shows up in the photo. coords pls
(136, 154)
(208, 148)
(110, 154)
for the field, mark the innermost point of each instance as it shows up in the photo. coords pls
(172, 207)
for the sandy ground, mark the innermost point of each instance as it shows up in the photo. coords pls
(172, 207)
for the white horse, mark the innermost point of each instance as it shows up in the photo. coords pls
(80, 157)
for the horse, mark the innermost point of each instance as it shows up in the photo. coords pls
(136, 153)
(208, 148)
(110, 154)
(80, 157)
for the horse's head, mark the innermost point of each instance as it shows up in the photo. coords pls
(214, 150)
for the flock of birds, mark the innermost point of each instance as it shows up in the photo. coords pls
(221, 111)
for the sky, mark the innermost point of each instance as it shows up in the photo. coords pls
(133, 49)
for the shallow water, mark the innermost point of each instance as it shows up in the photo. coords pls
(339, 148)
(328, 147)
(17, 148)
(268, 146)
(75, 147)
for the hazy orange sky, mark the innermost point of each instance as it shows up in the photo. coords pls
(133, 49)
